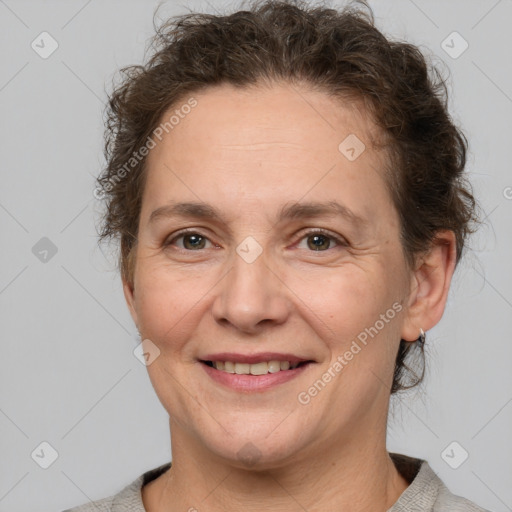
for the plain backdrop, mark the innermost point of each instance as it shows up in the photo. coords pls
(69, 378)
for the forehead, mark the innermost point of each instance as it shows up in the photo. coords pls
(253, 142)
(254, 116)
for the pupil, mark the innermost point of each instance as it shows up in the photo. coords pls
(195, 239)
(316, 238)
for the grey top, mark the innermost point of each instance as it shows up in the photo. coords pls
(426, 492)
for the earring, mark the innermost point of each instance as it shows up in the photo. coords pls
(421, 338)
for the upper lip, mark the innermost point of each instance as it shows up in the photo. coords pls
(253, 358)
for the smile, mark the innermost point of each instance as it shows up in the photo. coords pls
(261, 368)
(253, 377)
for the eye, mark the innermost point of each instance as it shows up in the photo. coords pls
(320, 240)
(192, 240)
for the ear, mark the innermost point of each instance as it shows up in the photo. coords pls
(129, 295)
(430, 285)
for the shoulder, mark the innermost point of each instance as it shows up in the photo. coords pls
(128, 499)
(427, 492)
(448, 502)
(103, 505)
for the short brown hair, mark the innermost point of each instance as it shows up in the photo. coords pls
(340, 52)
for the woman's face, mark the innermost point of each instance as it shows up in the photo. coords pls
(260, 278)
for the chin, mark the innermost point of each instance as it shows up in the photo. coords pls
(259, 448)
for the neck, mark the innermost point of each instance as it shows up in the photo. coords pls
(360, 477)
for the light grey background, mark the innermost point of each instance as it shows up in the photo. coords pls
(68, 374)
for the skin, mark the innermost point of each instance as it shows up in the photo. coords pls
(248, 152)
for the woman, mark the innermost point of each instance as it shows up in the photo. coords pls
(288, 234)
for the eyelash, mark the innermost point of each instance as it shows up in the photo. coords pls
(319, 231)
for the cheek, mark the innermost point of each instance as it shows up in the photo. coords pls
(168, 305)
(357, 314)
(348, 298)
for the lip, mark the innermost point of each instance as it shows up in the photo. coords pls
(253, 383)
(253, 358)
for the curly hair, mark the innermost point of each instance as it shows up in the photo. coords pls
(339, 52)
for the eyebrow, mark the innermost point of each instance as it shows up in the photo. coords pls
(290, 211)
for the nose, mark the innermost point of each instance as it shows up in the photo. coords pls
(252, 296)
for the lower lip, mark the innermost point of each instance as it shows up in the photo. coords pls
(253, 382)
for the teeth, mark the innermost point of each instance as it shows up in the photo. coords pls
(228, 367)
(274, 366)
(254, 369)
(242, 368)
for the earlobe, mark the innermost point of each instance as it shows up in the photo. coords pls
(430, 286)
